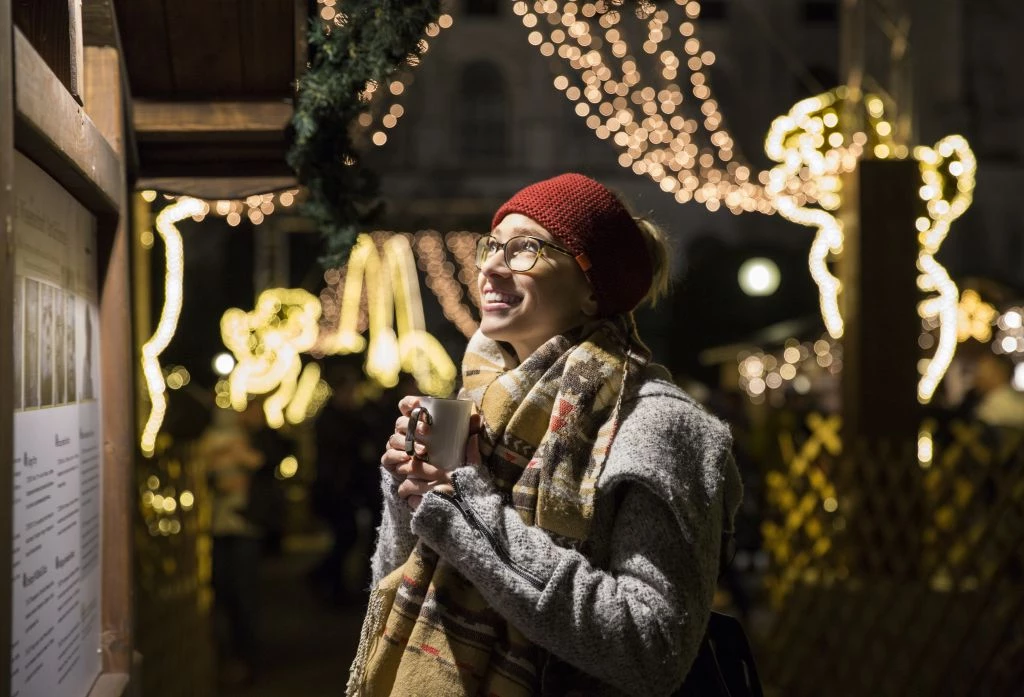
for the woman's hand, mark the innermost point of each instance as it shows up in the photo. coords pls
(415, 476)
(394, 452)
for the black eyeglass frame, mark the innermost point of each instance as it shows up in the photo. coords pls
(503, 247)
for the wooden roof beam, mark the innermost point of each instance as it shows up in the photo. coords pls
(210, 117)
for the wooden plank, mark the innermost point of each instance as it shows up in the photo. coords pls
(46, 25)
(212, 188)
(104, 102)
(54, 130)
(204, 40)
(75, 49)
(6, 334)
(267, 44)
(211, 117)
(99, 24)
(146, 51)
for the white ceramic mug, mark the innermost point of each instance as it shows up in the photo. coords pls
(449, 429)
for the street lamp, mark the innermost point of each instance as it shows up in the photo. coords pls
(759, 276)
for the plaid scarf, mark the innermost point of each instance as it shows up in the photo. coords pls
(547, 427)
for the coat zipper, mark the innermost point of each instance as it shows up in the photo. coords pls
(477, 524)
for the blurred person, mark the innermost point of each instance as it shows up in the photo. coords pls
(577, 550)
(241, 454)
(230, 461)
(266, 503)
(343, 455)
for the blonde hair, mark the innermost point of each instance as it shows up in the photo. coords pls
(659, 250)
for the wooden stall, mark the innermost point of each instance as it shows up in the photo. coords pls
(66, 421)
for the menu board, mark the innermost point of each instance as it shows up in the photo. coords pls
(55, 643)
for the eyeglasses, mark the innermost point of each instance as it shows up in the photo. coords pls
(521, 251)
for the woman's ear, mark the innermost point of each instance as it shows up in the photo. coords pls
(589, 305)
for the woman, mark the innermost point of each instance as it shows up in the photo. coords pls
(577, 550)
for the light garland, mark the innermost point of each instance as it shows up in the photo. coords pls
(384, 264)
(809, 145)
(300, 407)
(949, 166)
(441, 278)
(266, 343)
(975, 318)
(386, 109)
(764, 374)
(256, 208)
(1009, 338)
(175, 268)
(641, 112)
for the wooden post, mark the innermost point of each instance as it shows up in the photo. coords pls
(6, 334)
(103, 101)
(880, 296)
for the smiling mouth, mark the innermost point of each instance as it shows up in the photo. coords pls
(496, 299)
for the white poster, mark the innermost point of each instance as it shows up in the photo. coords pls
(55, 646)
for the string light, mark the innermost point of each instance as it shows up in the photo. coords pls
(384, 264)
(440, 275)
(765, 374)
(385, 109)
(803, 144)
(174, 256)
(298, 409)
(266, 344)
(1009, 336)
(948, 173)
(646, 112)
(255, 208)
(975, 318)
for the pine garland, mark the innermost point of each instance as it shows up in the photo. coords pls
(377, 39)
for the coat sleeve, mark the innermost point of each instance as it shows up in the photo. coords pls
(395, 540)
(635, 625)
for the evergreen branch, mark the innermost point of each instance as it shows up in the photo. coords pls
(375, 40)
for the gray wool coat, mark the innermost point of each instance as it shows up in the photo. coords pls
(625, 613)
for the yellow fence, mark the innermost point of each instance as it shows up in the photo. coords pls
(896, 571)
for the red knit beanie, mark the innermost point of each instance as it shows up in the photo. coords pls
(590, 221)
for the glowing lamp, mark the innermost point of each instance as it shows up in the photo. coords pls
(223, 364)
(759, 277)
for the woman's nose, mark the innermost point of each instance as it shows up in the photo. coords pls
(495, 264)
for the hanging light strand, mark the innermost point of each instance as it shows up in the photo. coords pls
(642, 108)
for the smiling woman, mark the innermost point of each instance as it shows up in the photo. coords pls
(577, 548)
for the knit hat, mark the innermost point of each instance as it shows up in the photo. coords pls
(591, 222)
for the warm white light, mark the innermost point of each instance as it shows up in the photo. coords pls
(223, 364)
(759, 276)
(1018, 377)
(175, 268)
(288, 467)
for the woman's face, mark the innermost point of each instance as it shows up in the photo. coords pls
(526, 309)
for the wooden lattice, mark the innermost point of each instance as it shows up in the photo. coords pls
(893, 577)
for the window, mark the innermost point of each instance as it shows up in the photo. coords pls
(483, 7)
(821, 11)
(482, 122)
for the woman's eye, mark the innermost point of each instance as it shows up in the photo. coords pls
(530, 246)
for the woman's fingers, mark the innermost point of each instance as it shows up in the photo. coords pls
(408, 403)
(416, 468)
(413, 490)
(402, 426)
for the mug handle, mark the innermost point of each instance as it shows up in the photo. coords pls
(410, 434)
